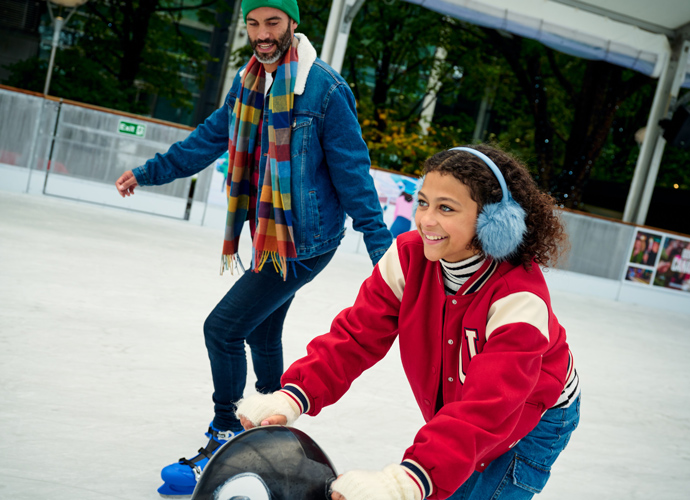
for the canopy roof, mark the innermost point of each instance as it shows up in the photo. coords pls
(635, 34)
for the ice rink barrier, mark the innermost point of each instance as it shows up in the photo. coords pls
(70, 150)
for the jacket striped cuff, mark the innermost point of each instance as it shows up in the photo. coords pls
(419, 476)
(297, 396)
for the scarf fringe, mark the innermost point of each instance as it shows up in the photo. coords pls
(232, 263)
(280, 263)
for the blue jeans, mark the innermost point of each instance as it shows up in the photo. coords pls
(254, 311)
(524, 470)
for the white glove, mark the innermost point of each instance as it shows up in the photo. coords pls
(392, 483)
(259, 407)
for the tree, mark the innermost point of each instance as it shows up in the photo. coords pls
(595, 90)
(391, 54)
(556, 111)
(73, 78)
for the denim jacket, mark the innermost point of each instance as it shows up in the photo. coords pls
(329, 166)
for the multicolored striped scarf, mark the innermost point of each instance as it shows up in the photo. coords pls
(273, 237)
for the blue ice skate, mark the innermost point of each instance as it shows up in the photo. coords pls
(179, 479)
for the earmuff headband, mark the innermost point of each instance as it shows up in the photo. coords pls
(500, 226)
(490, 163)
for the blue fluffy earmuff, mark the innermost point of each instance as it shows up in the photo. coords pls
(500, 226)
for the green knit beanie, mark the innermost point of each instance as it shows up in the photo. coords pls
(288, 6)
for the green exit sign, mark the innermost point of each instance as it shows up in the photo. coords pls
(129, 128)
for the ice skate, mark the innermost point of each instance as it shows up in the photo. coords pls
(179, 479)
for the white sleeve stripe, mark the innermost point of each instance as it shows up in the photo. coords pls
(520, 307)
(391, 271)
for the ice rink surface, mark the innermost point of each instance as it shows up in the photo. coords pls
(104, 377)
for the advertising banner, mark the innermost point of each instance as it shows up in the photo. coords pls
(396, 195)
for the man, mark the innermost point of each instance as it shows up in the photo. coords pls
(297, 165)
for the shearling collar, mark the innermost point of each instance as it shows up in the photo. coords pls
(307, 55)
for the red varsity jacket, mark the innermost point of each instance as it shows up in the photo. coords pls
(494, 355)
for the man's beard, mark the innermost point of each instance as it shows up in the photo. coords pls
(282, 45)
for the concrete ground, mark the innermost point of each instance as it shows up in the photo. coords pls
(104, 377)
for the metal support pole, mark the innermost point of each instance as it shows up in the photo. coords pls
(432, 87)
(34, 142)
(647, 148)
(651, 152)
(58, 23)
(349, 11)
(233, 27)
(484, 106)
(52, 146)
(332, 29)
(655, 162)
(239, 40)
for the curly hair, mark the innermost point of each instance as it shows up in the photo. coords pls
(545, 240)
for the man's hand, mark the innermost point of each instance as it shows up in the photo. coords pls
(126, 184)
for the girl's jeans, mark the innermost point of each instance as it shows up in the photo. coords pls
(524, 470)
(253, 311)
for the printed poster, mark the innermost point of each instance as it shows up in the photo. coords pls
(396, 195)
(673, 268)
(661, 260)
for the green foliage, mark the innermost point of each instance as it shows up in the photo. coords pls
(390, 57)
(314, 15)
(391, 54)
(73, 78)
(120, 52)
(568, 118)
(402, 146)
(673, 172)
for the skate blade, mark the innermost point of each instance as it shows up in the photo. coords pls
(166, 491)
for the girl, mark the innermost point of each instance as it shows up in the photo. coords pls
(484, 354)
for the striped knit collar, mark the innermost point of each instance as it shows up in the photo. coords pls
(481, 277)
(487, 268)
(455, 274)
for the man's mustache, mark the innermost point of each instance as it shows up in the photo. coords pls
(268, 40)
